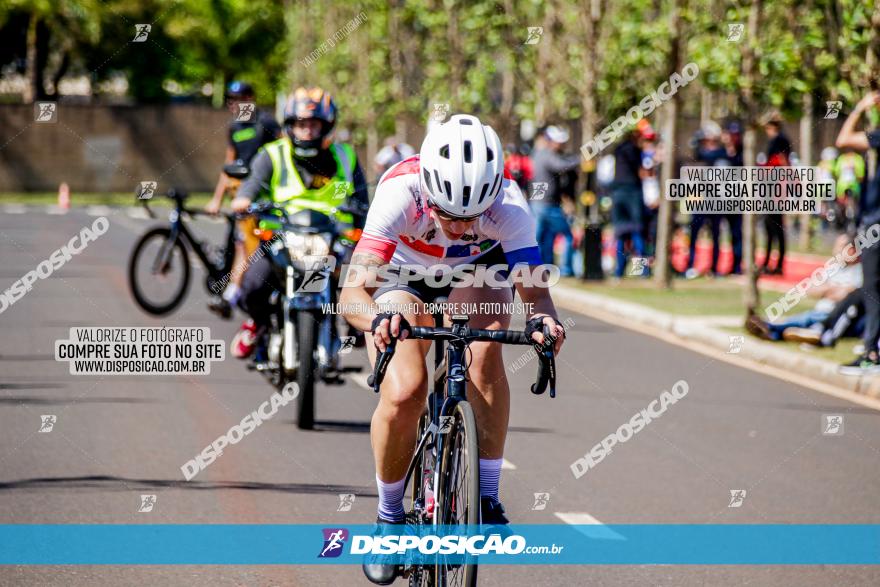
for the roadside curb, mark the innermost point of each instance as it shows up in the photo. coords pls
(691, 329)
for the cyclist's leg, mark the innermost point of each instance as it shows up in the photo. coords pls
(401, 401)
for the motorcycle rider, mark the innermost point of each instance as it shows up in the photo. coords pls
(248, 131)
(304, 169)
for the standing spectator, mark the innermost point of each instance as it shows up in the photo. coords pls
(869, 214)
(391, 154)
(778, 153)
(651, 158)
(546, 199)
(518, 164)
(731, 138)
(627, 207)
(709, 152)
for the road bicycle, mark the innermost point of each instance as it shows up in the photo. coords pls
(159, 268)
(445, 471)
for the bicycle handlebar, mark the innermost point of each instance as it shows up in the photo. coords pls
(546, 357)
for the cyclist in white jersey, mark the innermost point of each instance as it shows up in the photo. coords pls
(448, 206)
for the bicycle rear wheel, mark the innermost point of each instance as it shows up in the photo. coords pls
(458, 492)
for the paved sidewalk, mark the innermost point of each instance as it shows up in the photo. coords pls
(706, 331)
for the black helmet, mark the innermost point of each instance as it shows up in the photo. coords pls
(311, 103)
(237, 90)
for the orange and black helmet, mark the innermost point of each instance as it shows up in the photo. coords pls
(306, 103)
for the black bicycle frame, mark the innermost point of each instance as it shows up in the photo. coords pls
(180, 230)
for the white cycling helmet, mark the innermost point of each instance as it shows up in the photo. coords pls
(462, 166)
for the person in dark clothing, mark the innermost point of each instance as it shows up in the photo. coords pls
(731, 139)
(709, 152)
(248, 130)
(850, 138)
(627, 205)
(778, 153)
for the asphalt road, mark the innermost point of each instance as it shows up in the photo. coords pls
(116, 438)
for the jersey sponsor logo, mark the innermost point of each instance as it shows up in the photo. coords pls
(470, 250)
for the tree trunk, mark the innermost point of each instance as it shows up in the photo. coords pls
(30, 73)
(806, 153)
(669, 170)
(751, 295)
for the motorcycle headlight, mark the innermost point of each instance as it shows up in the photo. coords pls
(306, 245)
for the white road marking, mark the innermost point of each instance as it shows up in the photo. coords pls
(133, 212)
(14, 208)
(505, 464)
(55, 210)
(588, 525)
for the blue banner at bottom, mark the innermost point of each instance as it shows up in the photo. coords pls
(628, 544)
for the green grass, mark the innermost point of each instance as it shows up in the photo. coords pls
(91, 199)
(700, 297)
(842, 353)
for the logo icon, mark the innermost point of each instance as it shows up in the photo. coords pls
(346, 344)
(832, 424)
(737, 496)
(439, 112)
(346, 500)
(46, 112)
(141, 32)
(245, 111)
(639, 266)
(541, 501)
(736, 344)
(446, 424)
(534, 35)
(147, 503)
(342, 189)
(47, 423)
(317, 274)
(833, 107)
(735, 31)
(334, 539)
(539, 190)
(147, 190)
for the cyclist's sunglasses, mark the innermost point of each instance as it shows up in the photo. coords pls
(444, 216)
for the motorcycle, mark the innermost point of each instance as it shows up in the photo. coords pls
(302, 343)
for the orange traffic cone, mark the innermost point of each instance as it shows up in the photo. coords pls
(64, 196)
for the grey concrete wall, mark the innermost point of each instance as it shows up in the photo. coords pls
(111, 148)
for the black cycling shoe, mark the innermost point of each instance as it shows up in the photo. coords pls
(492, 512)
(221, 307)
(380, 573)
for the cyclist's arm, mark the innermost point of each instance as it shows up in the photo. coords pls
(255, 183)
(356, 298)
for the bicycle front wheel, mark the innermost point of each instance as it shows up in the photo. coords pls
(158, 272)
(458, 491)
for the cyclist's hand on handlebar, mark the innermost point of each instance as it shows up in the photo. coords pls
(213, 207)
(389, 326)
(240, 205)
(535, 329)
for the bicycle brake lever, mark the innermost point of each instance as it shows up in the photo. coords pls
(382, 361)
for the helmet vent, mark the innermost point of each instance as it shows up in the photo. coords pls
(466, 195)
(467, 152)
(494, 185)
(483, 193)
(489, 154)
(428, 180)
(444, 151)
(439, 183)
(465, 121)
(448, 191)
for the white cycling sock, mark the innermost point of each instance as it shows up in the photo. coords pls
(490, 475)
(391, 500)
(231, 293)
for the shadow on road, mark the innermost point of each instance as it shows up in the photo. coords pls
(106, 483)
(342, 426)
(50, 401)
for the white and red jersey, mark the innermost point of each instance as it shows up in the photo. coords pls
(401, 229)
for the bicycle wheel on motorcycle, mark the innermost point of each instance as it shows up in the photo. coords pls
(307, 343)
(158, 272)
(458, 492)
